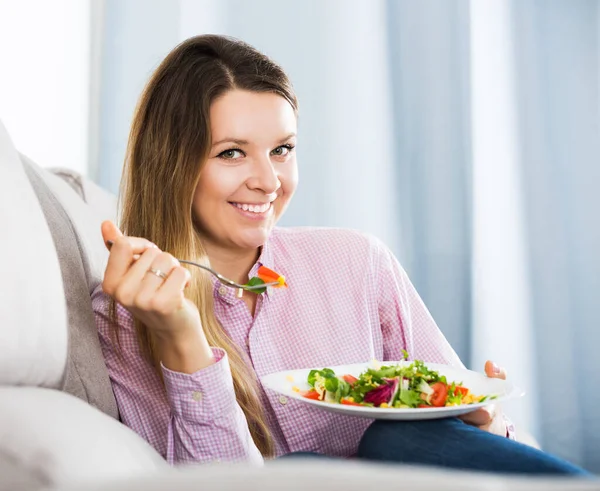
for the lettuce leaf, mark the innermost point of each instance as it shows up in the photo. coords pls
(410, 398)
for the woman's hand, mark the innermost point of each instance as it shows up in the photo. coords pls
(489, 418)
(151, 285)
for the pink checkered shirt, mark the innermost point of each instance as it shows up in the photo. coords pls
(348, 301)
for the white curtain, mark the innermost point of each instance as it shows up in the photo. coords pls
(501, 297)
(557, 62)
(463, 133)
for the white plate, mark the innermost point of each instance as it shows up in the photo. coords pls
(478, 384)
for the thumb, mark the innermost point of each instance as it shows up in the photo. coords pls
(494, 371)
(110, 232)
(480, 417)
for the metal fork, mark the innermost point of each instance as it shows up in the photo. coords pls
(225, 281)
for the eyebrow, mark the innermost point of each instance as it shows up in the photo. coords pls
(235, 141)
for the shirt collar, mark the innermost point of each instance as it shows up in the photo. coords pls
(265, 258)
(228, 294)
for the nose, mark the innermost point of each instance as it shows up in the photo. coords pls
(265, 177)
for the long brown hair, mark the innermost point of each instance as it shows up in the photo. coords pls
(169, 142)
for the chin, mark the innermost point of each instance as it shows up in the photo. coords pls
(250, 241)
(253, 239)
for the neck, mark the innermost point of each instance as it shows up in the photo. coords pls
(232, 263)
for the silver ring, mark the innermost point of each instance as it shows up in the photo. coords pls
(158, 273)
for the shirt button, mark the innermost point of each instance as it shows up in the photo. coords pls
(196, 395)
(283, 400)
(222, 290)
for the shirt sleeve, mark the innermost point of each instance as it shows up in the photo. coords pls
(190, 418)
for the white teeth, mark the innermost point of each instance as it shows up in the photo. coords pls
(254, 208)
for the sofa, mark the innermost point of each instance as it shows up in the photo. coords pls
(59, 421)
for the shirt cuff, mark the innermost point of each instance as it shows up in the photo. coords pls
(202, 396)
(511, 432)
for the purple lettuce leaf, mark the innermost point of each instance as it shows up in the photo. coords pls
(384, 393)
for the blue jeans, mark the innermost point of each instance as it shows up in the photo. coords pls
(453, 444)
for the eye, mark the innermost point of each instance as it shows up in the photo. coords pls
(231, 154)
(283, 150)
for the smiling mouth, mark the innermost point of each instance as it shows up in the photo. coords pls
(253, 208)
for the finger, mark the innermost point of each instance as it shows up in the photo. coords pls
(136, 275)
(170, 294)
(177, 280)
(127, 286)
(152, 278)
(123, 254)
(477, 418)
(481, 417)
(110, 232)
(494, 371)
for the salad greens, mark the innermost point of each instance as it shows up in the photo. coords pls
(254, 281)
(398, 386)
(266, 275)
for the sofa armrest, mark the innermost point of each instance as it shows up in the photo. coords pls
(52, 438)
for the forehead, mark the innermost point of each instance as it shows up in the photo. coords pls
(251, 116)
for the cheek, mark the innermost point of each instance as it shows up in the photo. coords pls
(215, 187)
(198, 208)
(206, 200)
(289, 180)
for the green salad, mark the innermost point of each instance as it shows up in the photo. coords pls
(395, 386)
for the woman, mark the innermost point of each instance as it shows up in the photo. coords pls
(210, 169)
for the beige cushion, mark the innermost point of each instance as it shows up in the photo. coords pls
(14, 476)
(75, 229)
(326, 475)
(71, 190)
(57, 439)
(33, 318)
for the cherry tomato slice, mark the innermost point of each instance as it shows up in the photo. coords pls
(461, 390)
(440, 391)
(349, 403)
(351, 379)
(311, 394)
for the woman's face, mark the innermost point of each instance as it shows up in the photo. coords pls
(251, 172)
